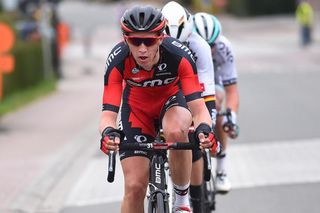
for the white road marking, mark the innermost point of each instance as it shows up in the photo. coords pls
(274, 163)
(93, 188)
(249, 165)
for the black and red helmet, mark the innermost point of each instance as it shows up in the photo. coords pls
(142, 19)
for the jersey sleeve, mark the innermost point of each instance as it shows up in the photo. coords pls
(227, 69)
(113, 79)
(112, 90)
(205, 68)
(189, 80)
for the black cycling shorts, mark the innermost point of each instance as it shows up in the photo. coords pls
(140, 124)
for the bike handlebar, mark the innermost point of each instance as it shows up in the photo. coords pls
(111, 166)
(157, 146)
(229, 125)
(145, 147)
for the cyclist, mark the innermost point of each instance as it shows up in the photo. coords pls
(161, 84)
(209, 28)
(179, 26)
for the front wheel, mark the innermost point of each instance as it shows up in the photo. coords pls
(209, 195)
(157, 204)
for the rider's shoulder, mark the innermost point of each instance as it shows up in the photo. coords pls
(117, 54)
(224, 40)
(199, 46)
(195, 40)
(120, 49)
(176, 48)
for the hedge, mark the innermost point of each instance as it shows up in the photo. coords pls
(261, 7)
(28, 70)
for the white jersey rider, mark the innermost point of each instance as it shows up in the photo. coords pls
(227, 93)
(180, 26)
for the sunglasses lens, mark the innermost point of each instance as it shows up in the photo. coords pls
(138, 41)
(135, 41)
(149, 41)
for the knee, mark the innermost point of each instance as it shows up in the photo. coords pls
(135, 190)
(175, 134)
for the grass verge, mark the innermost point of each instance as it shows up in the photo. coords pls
(22, 98)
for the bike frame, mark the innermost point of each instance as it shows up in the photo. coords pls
(158, 183)
(158, 196)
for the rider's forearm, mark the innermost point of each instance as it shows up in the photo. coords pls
(232, 97)
(108, 119)
(199, 112)
(210, 102)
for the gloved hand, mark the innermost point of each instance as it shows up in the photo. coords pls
(229, 124)
(110, 139)
(206, 138)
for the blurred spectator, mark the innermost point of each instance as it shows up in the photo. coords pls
(28, 30)
(28, 7)
(304, 16)
(28, 25)
(55, 21)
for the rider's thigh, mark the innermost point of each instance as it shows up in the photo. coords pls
(136, 176)
(176, 122)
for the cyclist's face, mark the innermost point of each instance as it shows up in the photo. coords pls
(144, 48)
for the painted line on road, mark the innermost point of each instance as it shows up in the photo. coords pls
(250, 165)
(274, 163)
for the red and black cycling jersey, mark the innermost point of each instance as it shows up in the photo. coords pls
(175, 70)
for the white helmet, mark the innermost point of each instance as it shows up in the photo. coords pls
(179, 21)
(207, 26)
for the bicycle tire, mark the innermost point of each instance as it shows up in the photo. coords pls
(160, 203)
(157, 204)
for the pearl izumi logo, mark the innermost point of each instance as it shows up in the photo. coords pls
(162, 67)
(140, 138)
(135, 70)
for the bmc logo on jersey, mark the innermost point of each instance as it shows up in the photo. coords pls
(157, 82)
(112, 55)
(152, 83)
(185, 48)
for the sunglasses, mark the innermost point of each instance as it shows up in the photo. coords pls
(137, 41)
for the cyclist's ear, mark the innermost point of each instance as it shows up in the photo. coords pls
(161, 38)
(124, 39)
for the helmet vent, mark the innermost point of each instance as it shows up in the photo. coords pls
(149, 22)
(205, 26)
(141, 19)
(133, 20)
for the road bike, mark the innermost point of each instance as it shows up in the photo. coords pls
(158, 195)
